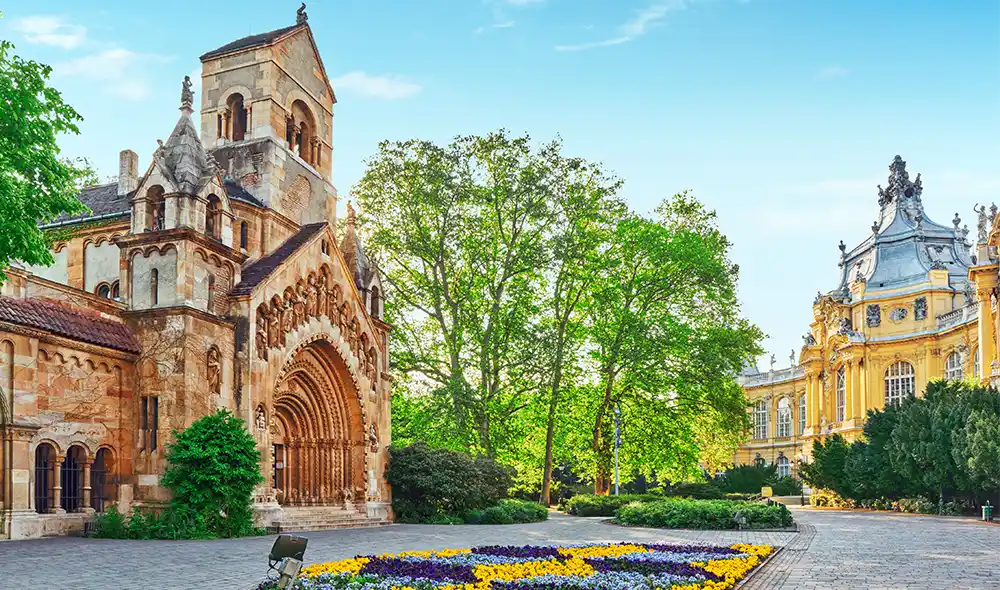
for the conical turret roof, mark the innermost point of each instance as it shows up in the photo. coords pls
(182, 158)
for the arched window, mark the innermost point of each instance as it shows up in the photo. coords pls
(759, 461)
(760, 420)
(953, 367)
(784, 466)
(154, 286)
(116, 292)
(71, 478)
(213, 220)
(104, 290)
(841, 394)
(45, 458)
(784, 417)
(975, 363)
(302, 130)
(899, 382)
(376, 303)
(802, 414)
(211, 292)
(237, 116)
(156, 209)
(244, 234)
(102, 490)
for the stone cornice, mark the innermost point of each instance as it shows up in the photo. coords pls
(186, 310)
(48, 338)
(182, 233)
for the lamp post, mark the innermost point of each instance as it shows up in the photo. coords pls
(618, 442)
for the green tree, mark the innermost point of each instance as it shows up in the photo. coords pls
(869, 469)
(667, 340)
(35, 184)
(212, 469)
(827, 470)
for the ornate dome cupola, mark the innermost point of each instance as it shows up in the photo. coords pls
(905, 245)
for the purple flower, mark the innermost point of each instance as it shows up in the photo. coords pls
(530, 551)
(432, 570)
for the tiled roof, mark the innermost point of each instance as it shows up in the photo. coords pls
(235, 191)
(255, 274)
(102, 199)
(63, 320)
(248, 42)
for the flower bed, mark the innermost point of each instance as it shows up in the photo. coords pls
(530, 567)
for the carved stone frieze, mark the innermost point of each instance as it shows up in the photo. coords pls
(873, 315)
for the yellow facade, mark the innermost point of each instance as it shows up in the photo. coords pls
(906, 312)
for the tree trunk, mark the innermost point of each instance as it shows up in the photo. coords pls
(551, 427)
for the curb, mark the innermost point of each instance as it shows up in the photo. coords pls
(746, 579)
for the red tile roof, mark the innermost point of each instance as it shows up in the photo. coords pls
(63, 320)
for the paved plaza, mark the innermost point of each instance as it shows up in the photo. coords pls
(832, 550)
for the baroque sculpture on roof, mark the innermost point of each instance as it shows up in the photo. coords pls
(913, 302)
(213, 279)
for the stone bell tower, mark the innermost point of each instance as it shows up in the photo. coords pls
(267, 117)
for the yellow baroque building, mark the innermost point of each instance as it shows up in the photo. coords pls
(907, 310)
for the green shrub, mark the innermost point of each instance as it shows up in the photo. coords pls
(212, 469)
(741, 497)
(785, 486)
(916, 505)
(696, 490)
(593, 505)
(109, 524)
(745, 479)
(703, 514)
(829, 499)
(429, 484)
(509, 511)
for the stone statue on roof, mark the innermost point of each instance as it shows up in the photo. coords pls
(981, 226)
(187, 95)
(300, 15)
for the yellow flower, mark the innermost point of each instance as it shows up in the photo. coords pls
(602, 550)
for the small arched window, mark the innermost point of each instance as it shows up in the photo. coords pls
(156, 209)
(211, 292)
(953, 367)
(975, 363)
(841, 394)
(237, 116)
(45, 457)
(244, 234)
(899, 382)
(71, 478)
(104, 290)
(213, 219)
(784, 466)
(102, 490)
(784, 417)
(154, 286)
(376, 307)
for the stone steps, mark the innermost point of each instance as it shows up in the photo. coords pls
(319, 518)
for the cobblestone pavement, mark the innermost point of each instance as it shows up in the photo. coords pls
(833, 550)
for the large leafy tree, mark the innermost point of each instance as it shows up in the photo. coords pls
(460, 233)
(35, 184)
(667, 340)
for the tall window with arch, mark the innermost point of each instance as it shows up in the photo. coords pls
(45, 458)
(900, 382)
(154, 286)
(975, 363)
(802, 414)
(156, 209)
(784, 466)
(784, 418)
(71, 478)
(211, 293)
(953, 367)
(760, 420)
(237, 116)
(376, 305)
(841, 394)
(102, 490)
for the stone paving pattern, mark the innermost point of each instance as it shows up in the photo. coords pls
(832, 550)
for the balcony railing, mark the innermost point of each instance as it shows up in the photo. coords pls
(957, 316)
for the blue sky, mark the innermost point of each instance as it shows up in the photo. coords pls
(782, 115)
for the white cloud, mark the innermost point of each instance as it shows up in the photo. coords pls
(121, 71)
(50, 30)
(832, 71)
(502, 25)
(384, 87)
(635, 27)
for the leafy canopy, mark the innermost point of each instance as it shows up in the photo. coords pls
(35, 184)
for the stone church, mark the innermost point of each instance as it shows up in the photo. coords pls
(212, 278)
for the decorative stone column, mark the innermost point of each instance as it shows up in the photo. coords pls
(86, 485)
(57, 486)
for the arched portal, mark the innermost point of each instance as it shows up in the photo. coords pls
(318, 438)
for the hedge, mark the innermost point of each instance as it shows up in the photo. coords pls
(703, 514)
(592, 505)
(508, 511)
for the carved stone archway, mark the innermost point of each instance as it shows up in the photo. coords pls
(319, 438)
